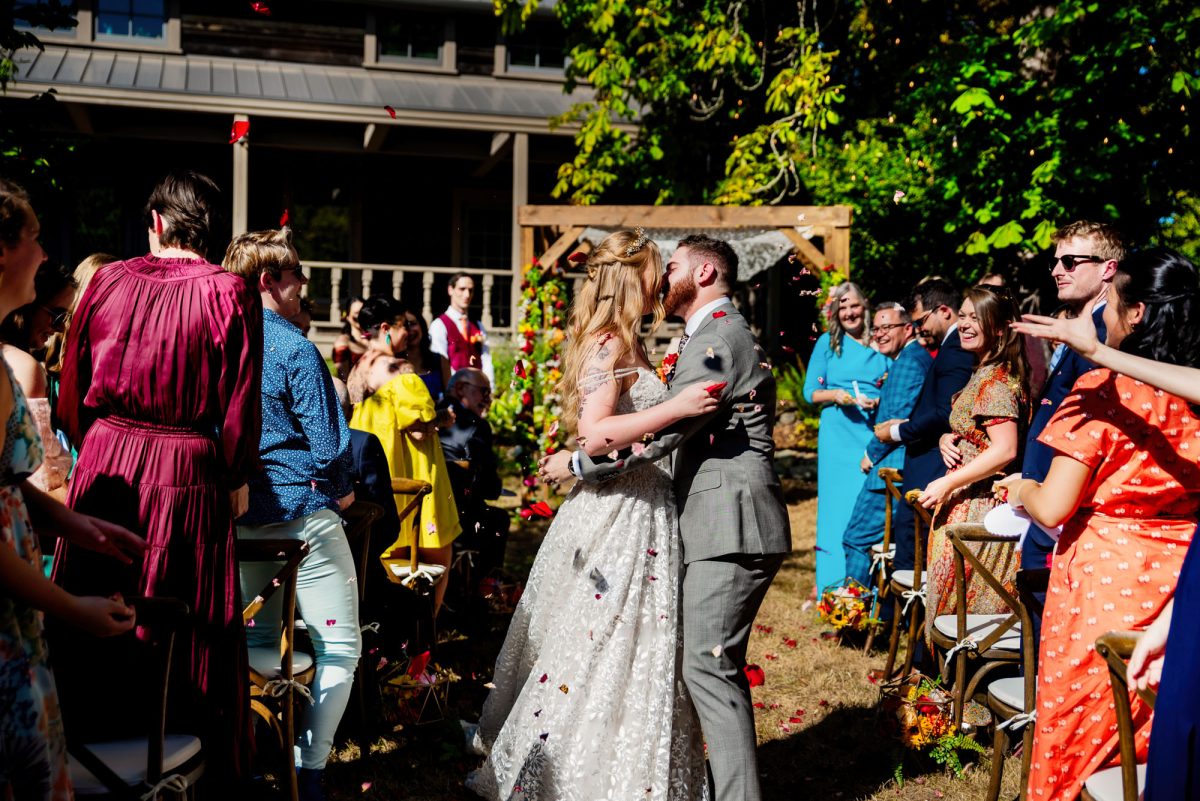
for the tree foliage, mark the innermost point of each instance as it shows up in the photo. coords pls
(998, 119)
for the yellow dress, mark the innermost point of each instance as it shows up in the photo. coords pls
(397, 405)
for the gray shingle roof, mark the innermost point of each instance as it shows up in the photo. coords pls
(278, 88)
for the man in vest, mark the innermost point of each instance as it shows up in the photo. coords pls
(462, 341)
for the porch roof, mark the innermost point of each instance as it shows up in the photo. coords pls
(293, 90)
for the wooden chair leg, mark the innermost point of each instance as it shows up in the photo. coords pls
(916, 621)
(1026, 757)
(999, 742)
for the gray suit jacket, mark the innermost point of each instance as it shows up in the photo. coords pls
(729, 497)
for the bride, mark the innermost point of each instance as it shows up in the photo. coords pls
(588, 700)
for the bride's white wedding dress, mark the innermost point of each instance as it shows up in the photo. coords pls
(589, 702)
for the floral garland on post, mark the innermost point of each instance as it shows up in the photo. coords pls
(541, 331)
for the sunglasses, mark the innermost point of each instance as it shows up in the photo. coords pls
(1071, 261)
(58, 316)
(298, 270)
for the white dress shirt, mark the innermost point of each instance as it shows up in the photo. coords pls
(439, 341)
(895, 428)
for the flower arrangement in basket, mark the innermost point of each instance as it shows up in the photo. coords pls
(918, 712)
(847, 605)
(418, 690)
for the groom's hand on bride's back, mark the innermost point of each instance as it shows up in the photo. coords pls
(555, 468)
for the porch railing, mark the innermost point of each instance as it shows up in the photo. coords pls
(400, 274)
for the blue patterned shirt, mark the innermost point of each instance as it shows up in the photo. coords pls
(305, 445)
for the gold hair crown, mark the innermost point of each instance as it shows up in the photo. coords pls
(638, 243)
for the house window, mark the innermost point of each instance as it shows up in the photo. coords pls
(538, 47)
(411, 37)
(131, 20)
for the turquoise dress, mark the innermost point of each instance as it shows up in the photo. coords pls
(33, 757)
(841, 443)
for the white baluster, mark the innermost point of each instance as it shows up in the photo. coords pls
(488, 280)
(397, 282)
(427, 295)
(366, 282)
(335, 293)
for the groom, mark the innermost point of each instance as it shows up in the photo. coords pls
(732, 517)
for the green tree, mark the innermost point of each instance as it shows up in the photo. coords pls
(998, 120)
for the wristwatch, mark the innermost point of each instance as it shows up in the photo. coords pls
(571, 466)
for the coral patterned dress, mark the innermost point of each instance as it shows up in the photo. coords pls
(1115, 566)
(992, 396)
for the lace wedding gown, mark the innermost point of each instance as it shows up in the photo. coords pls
(589, 702)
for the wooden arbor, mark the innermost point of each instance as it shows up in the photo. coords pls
(548, 232)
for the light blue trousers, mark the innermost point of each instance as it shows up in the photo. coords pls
(327, 602)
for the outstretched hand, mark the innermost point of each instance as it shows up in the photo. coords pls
(1077, 333)
(96, 535)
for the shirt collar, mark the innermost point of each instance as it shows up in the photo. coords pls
(693, 322)
(949, 331)
(454, 314)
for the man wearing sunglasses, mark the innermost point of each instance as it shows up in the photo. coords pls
(1086, 255)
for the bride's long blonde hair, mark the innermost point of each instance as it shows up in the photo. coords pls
(610, 302)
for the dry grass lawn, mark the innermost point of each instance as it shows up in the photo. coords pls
(817, 730)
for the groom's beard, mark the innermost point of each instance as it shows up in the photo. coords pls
(679, 296)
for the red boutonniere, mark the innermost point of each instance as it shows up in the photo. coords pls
(476, 339)
(717, 315)
(879, 381)
(667, 368)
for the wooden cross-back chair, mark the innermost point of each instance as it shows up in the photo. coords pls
(159, 763)
(881, 559)
(907, 588)
(420, 577)
(1126, 781)
(992, 640)
(1012, 700)
(277, 675)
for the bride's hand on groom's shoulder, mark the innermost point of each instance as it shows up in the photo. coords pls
(696, 399)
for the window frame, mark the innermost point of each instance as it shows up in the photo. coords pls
(84, 33)
(372, 58)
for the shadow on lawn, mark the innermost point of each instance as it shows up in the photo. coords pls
(842, 756)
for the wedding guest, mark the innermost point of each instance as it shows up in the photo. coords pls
(26, 331)
(1173, 747)
(844, 377)
(934, 307)
(303, 317)
(350, 345)
(161, 386)
(462, 341)
(299, 494)
(987, 421)
(33, 755)
(433, 368)
(469, 442)
(894, 336)
(393, 403)
(1125, 487)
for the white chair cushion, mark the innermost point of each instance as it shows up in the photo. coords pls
(1010, 691)
(978, 627)
(903, 577)
(1105, 785)
(265, 662)
(878, 548)
(127, 759)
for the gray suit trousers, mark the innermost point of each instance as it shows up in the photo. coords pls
(720, 600)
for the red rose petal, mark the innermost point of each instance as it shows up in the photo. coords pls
(391, 111)
(418, 665)
(284, 218)
(545, 677)
(577, 257)
(260, 7)
(717, 315)
(754, 675)
(240, 128)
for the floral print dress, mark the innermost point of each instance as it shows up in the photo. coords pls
(33, 758)
(992, 396)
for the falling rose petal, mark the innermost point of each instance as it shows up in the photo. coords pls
(577, 257)
(614, 454)
(431, 527)
(564, 689)
(250, 624)
(284, 218)
(330, 622)
(545, 677)
(897, 196)
(537, 713)
(759, 705)
(788, 349)
(652, 552)
(239, 130)
(490, 685)
(638, 448)
(753, 392)
(543, 736)
(653, 578)
(553, 429)
(274, 582)
(597, 596)
(366, 786)
(391, 111)
(754, 675)
(260, 7)
(716, 651)
(717, 315)
(418, 665)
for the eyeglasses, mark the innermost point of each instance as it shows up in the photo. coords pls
(298, 270)
(58, 316)
(484, 391)
(883, 329)
(1071, 261)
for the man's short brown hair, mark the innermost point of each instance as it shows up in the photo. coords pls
(717, 251)
(249, 254)
(189, 204)
(1108, 241)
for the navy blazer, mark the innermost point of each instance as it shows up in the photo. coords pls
(930, 419)
(1038, 456)
(373, 481)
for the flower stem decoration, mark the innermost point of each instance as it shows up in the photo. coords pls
(532, 398)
